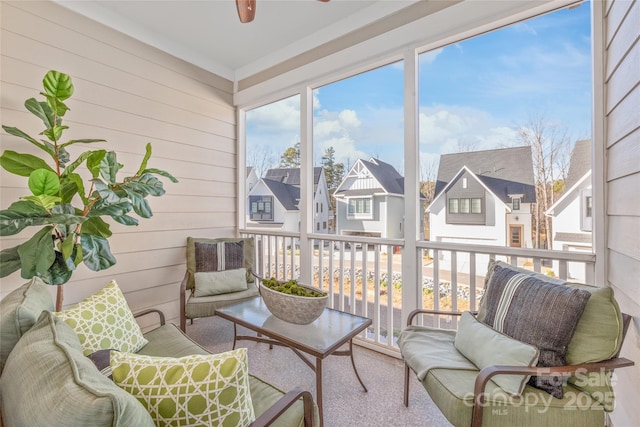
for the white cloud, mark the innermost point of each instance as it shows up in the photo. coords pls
(447, 129)
(278, 116)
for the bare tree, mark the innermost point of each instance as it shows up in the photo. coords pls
(428, 177)
(262, 158)
(548, 142)
(467, 144)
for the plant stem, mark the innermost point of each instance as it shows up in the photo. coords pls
(59, 297)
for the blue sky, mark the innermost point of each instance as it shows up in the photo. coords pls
(475, 94)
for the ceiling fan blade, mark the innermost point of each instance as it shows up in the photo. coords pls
(246, 10)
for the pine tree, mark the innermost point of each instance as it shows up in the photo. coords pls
(291, 157)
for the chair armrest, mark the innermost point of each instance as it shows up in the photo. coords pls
(278, 408)
(417, 311)
(488, 372)
(149, 311)
(183, 301)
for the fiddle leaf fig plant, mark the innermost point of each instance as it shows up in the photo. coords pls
(69, 199)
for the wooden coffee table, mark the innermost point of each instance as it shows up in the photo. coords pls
(319, 339)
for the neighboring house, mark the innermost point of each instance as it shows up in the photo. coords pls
(484, 198)
(274, 200)
(370, 201)
(572, 213)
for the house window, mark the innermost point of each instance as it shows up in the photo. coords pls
(586, 208)
(360, 208)
(476, 206)
(324, 225)
(465, 206)
(261, 208)
(464, 182)
(317, 226)
(317, 207)
(515, 202)
(453, 206)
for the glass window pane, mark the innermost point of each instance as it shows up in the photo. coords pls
(476, 206)
(358, 123)
(464, 206)
(453, 205)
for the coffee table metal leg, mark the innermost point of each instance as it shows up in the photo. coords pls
(353, 363)
(318, 370)
(235, 334)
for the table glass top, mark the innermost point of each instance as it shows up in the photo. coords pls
(331, 328)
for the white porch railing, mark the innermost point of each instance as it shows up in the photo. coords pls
(364, 275)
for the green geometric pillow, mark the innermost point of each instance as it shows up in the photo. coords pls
(104, 321)
(197, 390)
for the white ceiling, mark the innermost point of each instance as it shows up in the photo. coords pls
(208, 33)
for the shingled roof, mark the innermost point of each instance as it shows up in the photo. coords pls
(390, 180)
(504, 171)
(287, 194)
(387, 175)
(291, 176)
(580, 162)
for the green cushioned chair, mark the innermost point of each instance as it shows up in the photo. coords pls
(201, 259)
(467, 396)
(47, 380)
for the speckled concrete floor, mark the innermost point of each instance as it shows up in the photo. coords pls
(345, 402)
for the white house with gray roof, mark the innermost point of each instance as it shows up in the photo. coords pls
(273, 201)
(370, 201)
(572, 213)
(484, 198)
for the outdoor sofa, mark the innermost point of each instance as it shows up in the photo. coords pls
(478, 376)
(46, 380)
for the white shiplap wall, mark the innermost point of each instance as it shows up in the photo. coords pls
(129, 94)
(622, 111)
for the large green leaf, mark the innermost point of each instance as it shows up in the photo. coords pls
(37, 254)
(94, 161)
(47, 202)
(68, 189)
(58, 85)
(161, 173)
(17, 132)
(96, 253)
(45, 182)
(57, 88)
(22, 164)
(140, 205)
(41, 110)
(9, 261)
(125, 220)
(67, 245)
(109, 168)
(96, 226)
(106, 195)
(119, 208)
(14, 221)
(28, 208)
(144, 185)
(60, 271)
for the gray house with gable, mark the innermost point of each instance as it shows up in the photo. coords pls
(484, 197)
